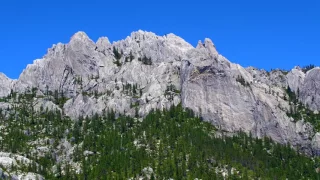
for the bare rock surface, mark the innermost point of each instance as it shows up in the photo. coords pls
(145, 71)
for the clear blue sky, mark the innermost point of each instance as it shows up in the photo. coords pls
(264, 34)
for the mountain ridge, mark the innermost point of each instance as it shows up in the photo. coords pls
(104, 40)
(145, 71)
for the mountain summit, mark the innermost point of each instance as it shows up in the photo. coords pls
(146, 71)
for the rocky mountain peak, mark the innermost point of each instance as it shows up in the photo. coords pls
(55, 50)
(297, 67)
(146, 71)
(210, 46)
(200, 45)
(3, 76)
(315, 71)
(174, 40)
(80, 36)
(80, 41)
(103, 44)
(103, 40)
(143, 35)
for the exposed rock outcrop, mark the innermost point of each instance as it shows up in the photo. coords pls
(216, 94)
(310, 89)
(5, 85)
(295, 79)
(146, 71)
(10, 161)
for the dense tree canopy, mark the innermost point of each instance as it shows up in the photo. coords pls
(165, 144)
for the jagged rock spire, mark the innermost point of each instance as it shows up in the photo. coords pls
(208, 44)
(222, 92)
(200, 45)
(103, 43)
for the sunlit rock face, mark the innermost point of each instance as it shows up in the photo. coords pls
(309, 92)
(146, 71)
(5, 85)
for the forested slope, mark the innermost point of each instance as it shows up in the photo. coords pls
(165, 144)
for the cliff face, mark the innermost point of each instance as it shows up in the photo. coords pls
(5, 85)
(309, 92)
(146, 71)
(226, 95)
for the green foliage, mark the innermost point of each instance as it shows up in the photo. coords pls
(59, 98)
(145, 60)
(131, 56)
(133, 105)
(118, 56)
(171, 91)
(242, 81)
(173, 142)
(118, 63)
(177, 145)
(131, 90)
(116, 53)
(292, 96)
(172, 88)
(298, 111)
(305, 69)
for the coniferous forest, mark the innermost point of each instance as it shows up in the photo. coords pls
(165, 144)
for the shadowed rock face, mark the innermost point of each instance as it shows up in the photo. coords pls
(96, 76)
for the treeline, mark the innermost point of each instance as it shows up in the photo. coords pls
(171, 143)
(299, 111)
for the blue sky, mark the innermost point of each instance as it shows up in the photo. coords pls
(264, 34)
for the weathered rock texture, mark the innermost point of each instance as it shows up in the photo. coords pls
(5, 85)
(309, 92)
(146, 71)
(214, 93)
